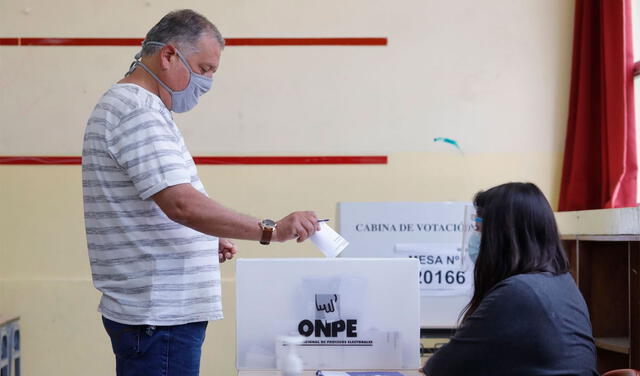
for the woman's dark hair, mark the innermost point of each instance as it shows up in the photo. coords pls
(519, 235)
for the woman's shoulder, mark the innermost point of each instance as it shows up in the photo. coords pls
(544, 291)
(541, 279)
(535, 285)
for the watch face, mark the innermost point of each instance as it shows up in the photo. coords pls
(268, 223)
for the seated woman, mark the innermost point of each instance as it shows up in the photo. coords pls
(526, 316)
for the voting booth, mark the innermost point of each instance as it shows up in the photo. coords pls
(433, 233)
(349, 312)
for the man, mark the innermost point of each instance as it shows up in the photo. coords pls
(152, 232)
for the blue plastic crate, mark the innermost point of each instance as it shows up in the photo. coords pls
(5, 353)
(10, 347)
(14, 335)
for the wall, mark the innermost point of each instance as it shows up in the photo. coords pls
(494, 75)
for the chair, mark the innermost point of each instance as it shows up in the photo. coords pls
(622, 372)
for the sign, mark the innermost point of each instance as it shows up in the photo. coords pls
(432, 233)
(444, 269)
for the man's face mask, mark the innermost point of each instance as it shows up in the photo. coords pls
(182, 100)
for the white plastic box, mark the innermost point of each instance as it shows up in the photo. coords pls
(353, 313)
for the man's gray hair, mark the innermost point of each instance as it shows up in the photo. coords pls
(182, 28)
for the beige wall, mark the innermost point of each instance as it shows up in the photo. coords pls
(493, 74)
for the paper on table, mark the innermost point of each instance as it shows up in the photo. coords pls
(330, 242)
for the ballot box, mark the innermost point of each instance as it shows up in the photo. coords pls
(351, 313)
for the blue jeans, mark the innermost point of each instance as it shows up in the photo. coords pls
(143, 350)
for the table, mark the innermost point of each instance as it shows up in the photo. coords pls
(412, 372)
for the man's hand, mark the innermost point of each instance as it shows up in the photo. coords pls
(300, 225)
(226, 250)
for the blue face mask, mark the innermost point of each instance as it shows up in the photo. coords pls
(473, 248)
(186, 99)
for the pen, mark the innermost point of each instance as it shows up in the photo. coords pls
(323, 220)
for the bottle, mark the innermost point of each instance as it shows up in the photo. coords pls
(291, 364)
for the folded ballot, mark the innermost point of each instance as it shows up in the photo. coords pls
(330, 242)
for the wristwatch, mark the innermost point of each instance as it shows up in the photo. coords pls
(268, 226)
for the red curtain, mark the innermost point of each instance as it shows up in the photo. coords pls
(600, 163)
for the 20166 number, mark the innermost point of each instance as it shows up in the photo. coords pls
(448, 277)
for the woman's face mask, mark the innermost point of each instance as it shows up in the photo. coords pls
(473, 247)
(186, 99)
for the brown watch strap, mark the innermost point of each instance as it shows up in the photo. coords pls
(267, 232)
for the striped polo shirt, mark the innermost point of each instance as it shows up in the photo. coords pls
(149, 269)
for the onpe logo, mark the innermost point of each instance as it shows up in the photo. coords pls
(328, 322)
(326, 304)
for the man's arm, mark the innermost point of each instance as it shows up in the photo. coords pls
(186, 205)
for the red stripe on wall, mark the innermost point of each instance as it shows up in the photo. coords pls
(9, 41)
(306, 42)
(80, 41)
(27, 160)
(228, 41)
(247, 160)
(294, 160)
